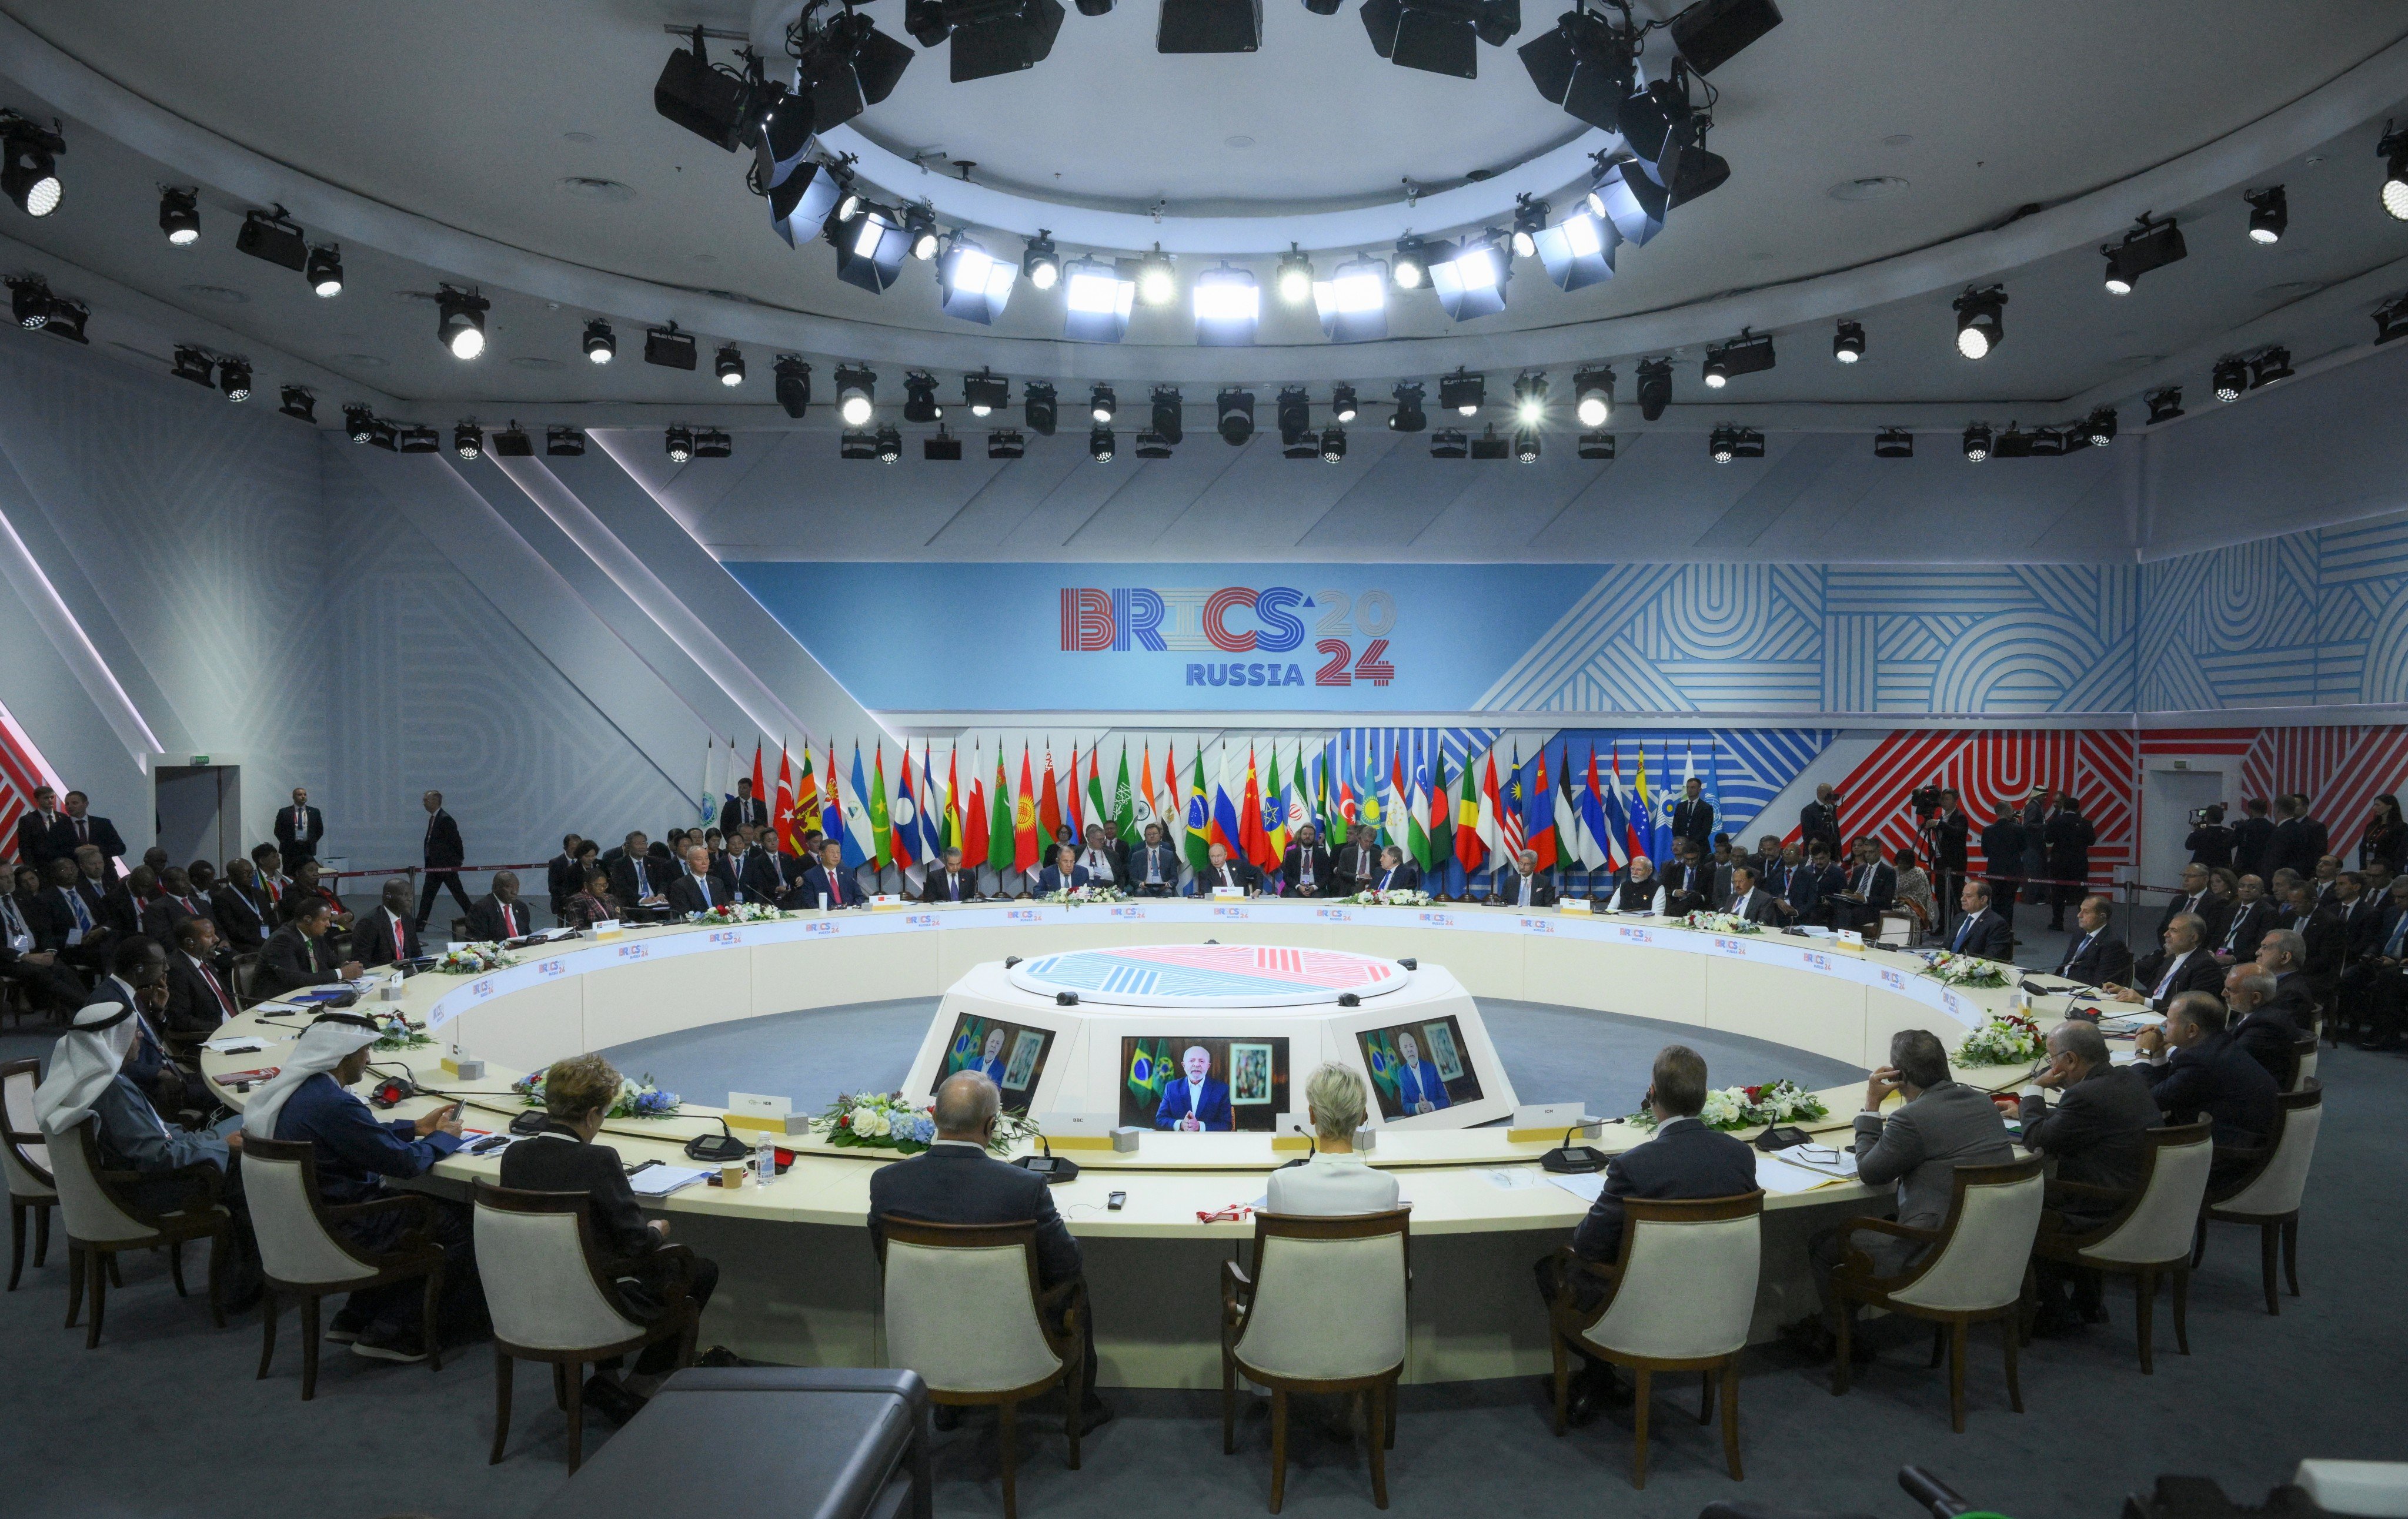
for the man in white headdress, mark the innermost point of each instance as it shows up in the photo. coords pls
(309, 1100)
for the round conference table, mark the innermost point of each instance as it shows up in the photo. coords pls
(799, 1280)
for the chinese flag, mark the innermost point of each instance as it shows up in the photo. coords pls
(1252, 842)
(1024, 813)
(781, 816)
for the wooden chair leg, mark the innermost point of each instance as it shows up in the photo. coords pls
(2144, 1308)
(1073, 1399)
(2014, 1384)
(17, 1212)
(430, 1328)
(176, 1268)
(560, 1386)
(1938, 1342)
(2269, 1237)
(1640, 1397)
(221, 1245)
(99, 1268)
(1956, 1376)
(116, 1278)
(575, 1385)
(267, 1332)
(1279, 1450)
(1843, 1327)
(1388, 1435)
(1706, 1396)
(1228, 1402)
(1008, 1431)
(1563, 1379)
(502, 1365)
(41, 1233)
(2182, 1310)
(1730, 1421)
(309, 1302)
(1374, 1430)
(76, 1266)
(2290, 1252)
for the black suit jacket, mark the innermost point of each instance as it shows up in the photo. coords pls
(771, 877)
(443, 848)
(161, 915)
(740, 812)
(42, 839)
(2253, 841)
(2220, 1081)
(2069, 836)
(297, 844)
(193, 1011)
(2295, 997)
(1816, 821)
(2098, 959)
(485, 920)
(1984, 933)
(2002, 851)
(2200, 972)
(2363, 925)
(560, 880)
(1695, 821)
(372, 937)
(556, 1160)
(1684, 1159)
(623, 880)
(1324, 871)
(950, 885)
(1166, 865)
(1949, 834)
(2295, 844)
(2246, 927)
(1353, 864)
(2208, 908)
(50, 919)
(690, 893)
(1879, 888)
(1407, 877)
(1243, 874)
(1505, 888)
(291, 962)
(240, 916)
(954, 1183)
(2270, 1036)
(1759, 907)
(2098, 1133)
(96, 830)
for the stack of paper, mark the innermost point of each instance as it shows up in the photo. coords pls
(660, 1181)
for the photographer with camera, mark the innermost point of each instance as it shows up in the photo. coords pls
(2210, 843)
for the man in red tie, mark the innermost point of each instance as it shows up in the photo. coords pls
(298, 828)
(174, 903)
(389, 932)
(499, 914)
(828, 884)
(82, 828)
(198, 999)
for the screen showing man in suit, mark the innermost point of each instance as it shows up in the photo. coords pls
(1012, 1055)
(1418, 1068)
(1190, 1085)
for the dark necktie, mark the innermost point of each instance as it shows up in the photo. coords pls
(83, 831)
(224, 1007)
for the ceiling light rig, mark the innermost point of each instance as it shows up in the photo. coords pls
(1981, 321)
(679, 443)
(300, 404)
(2231, 379)
(1470, 281)
(2270, 214)
(1228, 308)
(793, 385)
(856, 394)
(179, 215)
(460, 322)
(1848, 343)
(561, 442)
(1157, 278)
(1977, 442)
(1097, 298)
(1530, 399)
(601, 344)
(1408, 417)
(1440, 36)
(2392, 320)
(985, 392)
(1746, 354)
(1587, 65)
(1040, 263)
(1295, 277)
(1448, 443)
(2152, 245)
(2164, 404)
(989, 38)
(1595, 446)
(977, 287)
(1234, 415)
(29, 173)
(919, 403)
(324, 271)
(2269, 366)
(1593, 396)
(1295, 413)
(667, 347)
(512, 443)
(1462, 393)
(234, 379)
(1893, 443)
(1100, 445)
(1352, 302)
(1526, 445)
(1169, 417)
(2098, 428)
(729, 366)
(1341, 403)
(1038, 408)
(1654, 387)
(1102, 404)
(468, 440)
(1412, 263)
(2392, 149)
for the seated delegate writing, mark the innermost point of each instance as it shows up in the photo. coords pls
(564, 1156)
(1684, 1159)
(1195, 1102)
(1419, 1090)
(637, 878)
(1334, 1181)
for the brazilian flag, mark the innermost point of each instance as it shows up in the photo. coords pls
(1379, 1056)
(969, 1042)
(1151, 1062)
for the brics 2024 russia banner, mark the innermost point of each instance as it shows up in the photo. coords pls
(966, 637)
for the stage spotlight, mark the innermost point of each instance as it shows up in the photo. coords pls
(2231, 379)
(192, 364)
(512, 443)
(179, 215)
(1352, 302)
(300, 404)
(30, 301)
(1209, 26)
(920, 404)
(1099, 445)
(1306, 446)
(2165, 404)
(1462, 392)
(30, 175)
(1295, 413)
(788, 172)
(1893, 443)
(857, 446)
(1234, 414)
(2012, 443)
(67, 318)
(1981, 321)
(326, 271)
(1228, 308)
(601, 344)
(1526, 445)
(1529, 220)
(1102, 404)
(1412, 263)
(856, 394)
(1721, 446)
(234, 379)
(1157, 278)
(1447, 443)
(793, 385)
(1040, 263)
(563, 442)
(1654, 387)
(2269, 366)
(2098, 428)
(1586, 64)
(889, 444)
(1530, 399)
(1595, 446)
(1712, 32)
(870, 248)
(2392, 149)
(848, 196)
(274, 236)
(976, 286)
(460, 322)
(359, 422)
(679, 441)
(1470, 283)
(667, 347)
(1489, 446)
(468, 440)
(2392, 320)
(2152, 245)
(1408, 417)
(1848, 343)
(1440, 36)
(711, 443)
(1005, 443)
(1341, 402)
(1333, 445)
(996, 37)
(1097, 300)
(1169, 421)
(1746, 354)
(1037, 408)
(1653, 118)
(418, 439)
(985, 392)
(2270, 214)
(1621, 194)
(1578, 252)
(1295, 276)
(846, 66)
(2047, 442)
(719, 105)
(730, 364)
(920, 227)
(1153, 444)
(1593, 396)
(1977, 442)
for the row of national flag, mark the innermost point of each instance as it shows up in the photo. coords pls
(1575, 812)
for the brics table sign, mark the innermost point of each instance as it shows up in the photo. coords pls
(1348, 632)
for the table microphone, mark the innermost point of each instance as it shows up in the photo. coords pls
(719, 1148)
(1055, 1170)
(1569, 1159)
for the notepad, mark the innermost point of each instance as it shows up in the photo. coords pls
(1585, 1187)
(1775, 1175)
(1821, 1159)
(660, 1181)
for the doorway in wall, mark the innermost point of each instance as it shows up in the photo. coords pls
(199, 812)
(2167, 799)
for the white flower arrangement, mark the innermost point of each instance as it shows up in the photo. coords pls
(728, 912)
(473, 960)
(2008, 1039)
(1396, 898)
(1952, 970)
(1081, 896)
(890, 1121)
(1720, 923)
(1748, 1107)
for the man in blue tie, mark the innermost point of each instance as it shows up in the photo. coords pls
(2093, 956)
(1981, 931)
(952, 883)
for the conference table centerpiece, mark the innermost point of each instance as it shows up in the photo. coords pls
(732, 913)
(635, 1099)
(1403, 897)
(1721, 923)
(2008, 1039)
(890, 1121)
(1085, 896)
(1782, 1101)
(401, 1034)
(1952, 970)
(472, 959)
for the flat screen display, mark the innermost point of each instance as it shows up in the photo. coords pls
(1205, 1083)
(1012, 1054)
(1419, 1068)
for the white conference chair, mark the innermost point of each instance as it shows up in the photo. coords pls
(1977, 1267)
(301, 1254)
(2269, 1196)
(1323, 1312)
(963, 1308)
(553, 1298)
(25, 1164)
(1683, 1293)
(2153, 1235)
(103, 1220)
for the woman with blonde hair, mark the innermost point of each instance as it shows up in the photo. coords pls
(1335, 1181)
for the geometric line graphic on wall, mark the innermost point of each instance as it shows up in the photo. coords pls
(21, 770)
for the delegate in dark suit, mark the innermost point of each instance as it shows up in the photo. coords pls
(1354, 865)
(690, 893)
(1405, 876)
(74, 832)
(2002, 860)
(374, 938)
(957, 1182)
(2207, 908)
(1695, 821)
(1292, 869)
(2252, 841)
(2097, 1134)
(1209, 1105)
(197, 999)
(1757, 905)
(161, 915)
(2245, 928)
(297, 832)
(1162, 862)
(772, 876)
(840, 890)
(240, 915)
(41, 837)
(493, 920)
(2217, 1079)
(2097, 958)
(2297, 843)
(950, 885)
(1818, 819)
(1876, 885)
(632, 880)
(292, 960)
(1050, 878)
(2271, 1038)
(1509, 887)
(2196, 971)
(1236, 873)
(1919, 1147)
(1684, 1159)
(742, 811)
(2069, 836)
(443, 853)
(1810, 887)
(1984, 933)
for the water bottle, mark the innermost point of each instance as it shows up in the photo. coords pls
(765, 1164)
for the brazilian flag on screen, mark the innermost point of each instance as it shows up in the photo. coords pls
(969, 1042)
(1379, 1056)
(1151, 1062)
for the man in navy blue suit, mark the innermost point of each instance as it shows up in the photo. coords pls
(1418, 1087)
(1196, 1103)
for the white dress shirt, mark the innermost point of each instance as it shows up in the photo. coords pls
(1331, 1185)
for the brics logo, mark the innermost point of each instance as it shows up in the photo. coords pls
(1230, 912)
(1537, 925)
(1022, 914)
(821, 926)
(1636, 936)
(1813, 961)
(1133, 912)
(632, 952)
(549, 969)
(920, 919)
(727, 936)
(1238, 620)
(1333, 914)
(1438, 920)
(482, 989)
(1731, 946)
